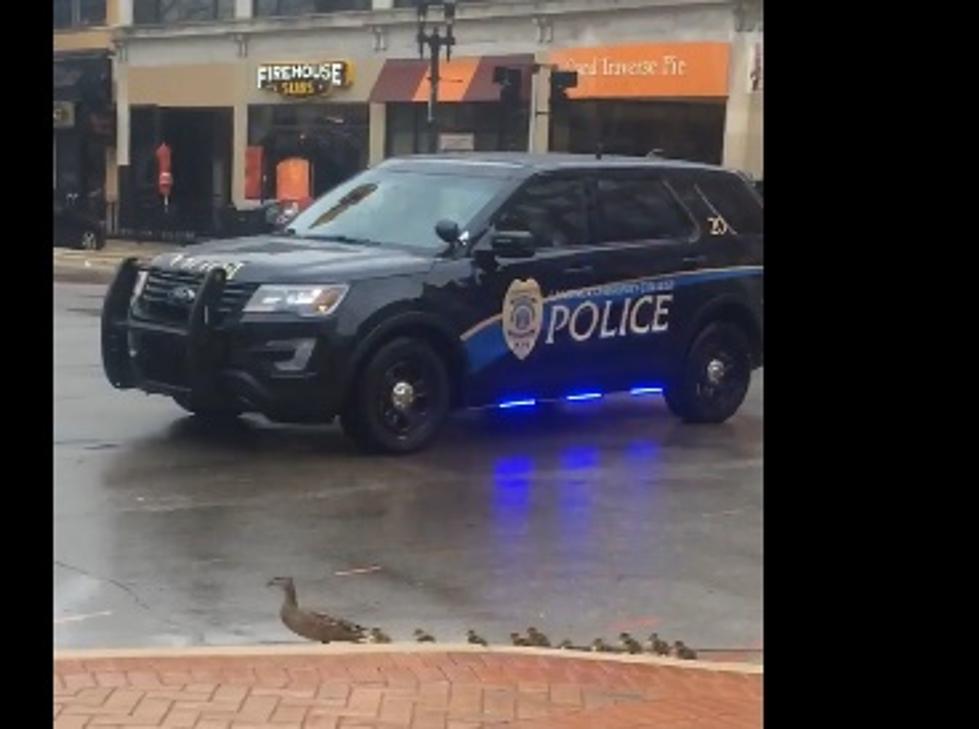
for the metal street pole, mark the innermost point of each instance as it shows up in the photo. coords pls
(435, 43)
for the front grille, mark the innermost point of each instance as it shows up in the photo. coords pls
(156, 303)
(162, 358)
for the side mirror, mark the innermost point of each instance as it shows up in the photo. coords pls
(448, 231)
(513, 244)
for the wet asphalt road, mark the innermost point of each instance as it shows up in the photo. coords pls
(601, 517)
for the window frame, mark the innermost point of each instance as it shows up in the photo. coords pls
(75, 17)
(279, 14)
(660, 176)
(157, 20)
(579, 176)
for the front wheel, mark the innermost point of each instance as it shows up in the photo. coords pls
(401, 400)
(714, 377)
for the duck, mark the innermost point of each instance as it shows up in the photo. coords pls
(657, 646)
(537, 638)
(630, 644)
(680, 650)
(600, 646)
(314, 626)
(474, 639)
(422, 637)
(376, 635)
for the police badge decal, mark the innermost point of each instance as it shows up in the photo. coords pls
(523, 313)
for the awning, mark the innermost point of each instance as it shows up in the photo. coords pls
(460, 80)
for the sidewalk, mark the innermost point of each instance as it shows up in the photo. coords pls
(99, 266)
(399, 686)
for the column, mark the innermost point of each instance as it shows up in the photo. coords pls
(378, 134)
(119, 12)
(742, 123)
(540, 109)
(239, 142)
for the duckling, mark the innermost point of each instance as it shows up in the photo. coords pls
(517, 639)
(537, 638)
(600, 646)
(630, 644)
(682, 651)
(657, 646)
(311, 625)
(376, 635)
(471, 637)
(422, 637)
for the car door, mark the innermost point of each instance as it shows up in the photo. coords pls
(646, 239)
(729, 213)
(512, 354)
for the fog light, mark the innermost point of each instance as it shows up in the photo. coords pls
(302, 350)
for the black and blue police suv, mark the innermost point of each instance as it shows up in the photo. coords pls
(432, 283)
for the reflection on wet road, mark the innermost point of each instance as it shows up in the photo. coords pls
(583, 520)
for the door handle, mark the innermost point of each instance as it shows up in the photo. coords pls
(689, 262)
(579, 269)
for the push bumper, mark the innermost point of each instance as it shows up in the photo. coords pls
(283, 369)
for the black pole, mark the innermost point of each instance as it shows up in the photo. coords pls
(433, 96)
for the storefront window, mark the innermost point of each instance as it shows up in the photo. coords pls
(678, 129)
(493, 127)
(307, 7)
(331, 138)
(181, 11)
(71, 13)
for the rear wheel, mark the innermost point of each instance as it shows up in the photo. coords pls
(714, 378)
(401, 400)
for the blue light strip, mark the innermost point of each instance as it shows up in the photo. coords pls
(517, 404)
(646, 391)
(583, 396)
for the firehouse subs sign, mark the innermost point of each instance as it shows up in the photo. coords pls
(300, 80)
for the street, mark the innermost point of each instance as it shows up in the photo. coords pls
(599, 517)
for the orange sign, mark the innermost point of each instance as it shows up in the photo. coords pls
(647, 70)
(292, 179)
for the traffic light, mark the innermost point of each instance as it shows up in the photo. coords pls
(509, 81)
(561, 81)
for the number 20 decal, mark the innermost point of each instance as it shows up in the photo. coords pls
(718, 225)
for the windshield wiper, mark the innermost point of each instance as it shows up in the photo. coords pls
(344, 239)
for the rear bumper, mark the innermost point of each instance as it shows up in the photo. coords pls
(284, 370)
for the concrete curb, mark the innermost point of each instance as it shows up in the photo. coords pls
(336, 649)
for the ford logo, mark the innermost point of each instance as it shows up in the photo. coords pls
(182, 295)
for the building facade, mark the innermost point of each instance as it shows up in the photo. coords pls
(260, 99)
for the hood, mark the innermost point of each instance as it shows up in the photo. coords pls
(281, 259)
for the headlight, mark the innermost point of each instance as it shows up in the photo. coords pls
(301, 300)
(141, 277)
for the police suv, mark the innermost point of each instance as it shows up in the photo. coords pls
(429, 283)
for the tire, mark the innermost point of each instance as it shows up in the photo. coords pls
(90, 239)
(208, 411)
(371, 417)
(707, 392)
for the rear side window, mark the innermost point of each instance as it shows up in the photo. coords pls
(553, 210)
(635, 209)
(729, 197)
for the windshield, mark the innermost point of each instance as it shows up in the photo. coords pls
(397, 208)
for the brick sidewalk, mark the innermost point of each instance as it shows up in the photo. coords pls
(399, 686)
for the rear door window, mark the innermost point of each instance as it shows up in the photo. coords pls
(638, 209)
(732, 201)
